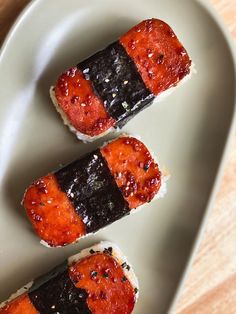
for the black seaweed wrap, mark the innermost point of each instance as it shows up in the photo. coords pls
(116, 80)
(93, 191)
(56, 293)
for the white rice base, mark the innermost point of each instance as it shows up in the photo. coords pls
(116, 253)
(86, 138)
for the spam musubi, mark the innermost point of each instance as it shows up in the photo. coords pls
(93, 191)
(106, 90)
(98, 280)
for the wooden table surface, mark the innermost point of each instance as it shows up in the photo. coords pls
(210, 287)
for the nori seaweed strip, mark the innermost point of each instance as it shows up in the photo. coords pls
(54, 272)
(56, 293)
(116, 80)
(93, 191)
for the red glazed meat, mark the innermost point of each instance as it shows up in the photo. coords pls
(134, 170)
(82, 107)
(159, 56)
(109, 290)
(20, 305)
(51, 213)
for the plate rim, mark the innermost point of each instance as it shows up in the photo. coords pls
(222, 163)
(213, 13)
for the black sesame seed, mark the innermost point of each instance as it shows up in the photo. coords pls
(91, 251)
(135, 290)
(93, 274)
(146, 167)
(124, 265)
(123, 279)
(108, 250)
(105, 275)
(128, 267)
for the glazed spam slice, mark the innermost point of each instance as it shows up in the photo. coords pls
(98, 280)
(106, 90)
(92, 192)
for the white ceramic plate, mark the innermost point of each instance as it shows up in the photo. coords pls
(187, 132)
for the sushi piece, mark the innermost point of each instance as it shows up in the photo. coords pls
(106, 90)
(97, 280)
(92, 192)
